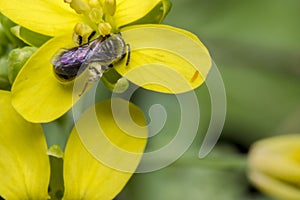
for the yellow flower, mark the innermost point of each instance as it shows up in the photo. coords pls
(54, 17)
(163, 58)
(274, 166)
(24, 163)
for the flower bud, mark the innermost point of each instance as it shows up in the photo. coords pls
(274, 166)
(121, 86)
(16, 59)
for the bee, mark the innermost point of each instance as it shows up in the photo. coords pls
(97, 56)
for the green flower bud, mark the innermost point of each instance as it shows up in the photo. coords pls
(121, 86)
(16, 59)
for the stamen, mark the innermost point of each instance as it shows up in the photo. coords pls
(95, 3)
(78, 5)
(104, 28)
(96, 15)
(82, 32)
(110, 7)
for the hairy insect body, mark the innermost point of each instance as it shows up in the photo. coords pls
(96, 56)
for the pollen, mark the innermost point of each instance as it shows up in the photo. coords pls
(82, 33)
(104, 28)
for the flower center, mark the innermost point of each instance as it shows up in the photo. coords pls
(98, 15)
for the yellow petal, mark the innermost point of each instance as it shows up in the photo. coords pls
(37, 94)
(48, 17)
(164, 58)
(131, 10)
(278, 157)
(274, 166)
(100, 175)
(274, 187)
(24, 164)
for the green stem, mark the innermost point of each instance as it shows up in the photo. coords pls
(236, 162)
(58, 131)
(56, 185)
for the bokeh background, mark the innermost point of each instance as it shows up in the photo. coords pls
(256, 46)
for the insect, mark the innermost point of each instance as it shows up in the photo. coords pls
(97, 56)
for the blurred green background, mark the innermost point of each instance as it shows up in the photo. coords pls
(256, 47)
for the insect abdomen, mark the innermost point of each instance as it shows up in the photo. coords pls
(68, 64)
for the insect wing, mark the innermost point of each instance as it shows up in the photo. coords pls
(112, 49)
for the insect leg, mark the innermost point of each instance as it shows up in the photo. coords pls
(128, 56)
(95, 71)
(84, 88)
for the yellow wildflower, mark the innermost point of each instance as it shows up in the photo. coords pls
(24, 163)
